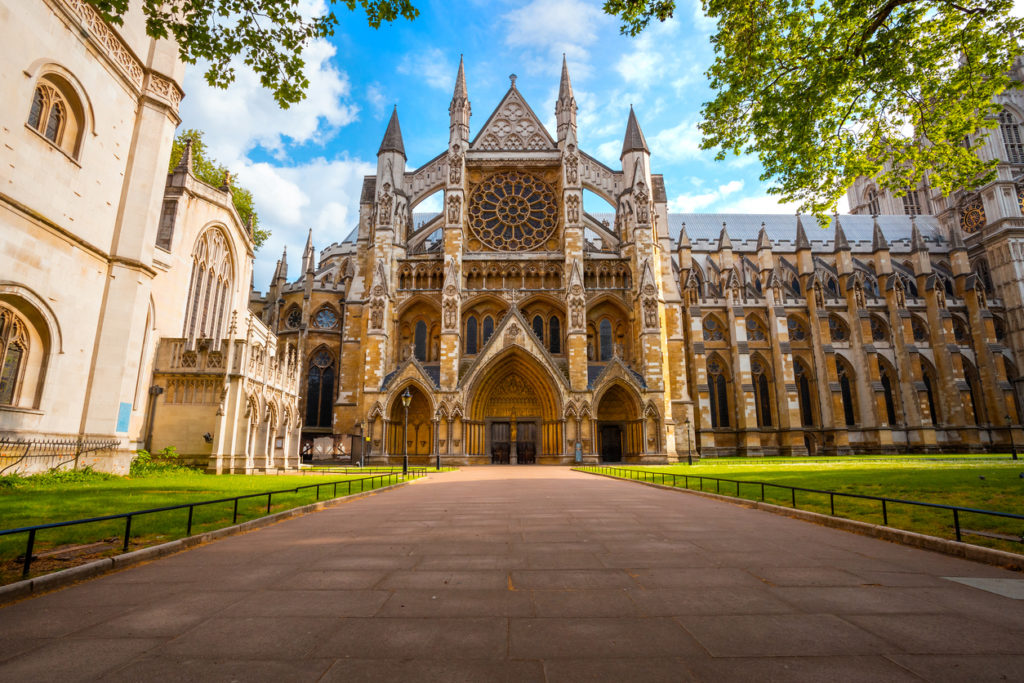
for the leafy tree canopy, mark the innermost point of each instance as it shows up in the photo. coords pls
(212, 172)
(824, 91)
(268, 35)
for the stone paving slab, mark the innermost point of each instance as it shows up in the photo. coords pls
(530, 574)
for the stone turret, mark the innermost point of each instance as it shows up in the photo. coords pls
(459, 110)
(565, 108)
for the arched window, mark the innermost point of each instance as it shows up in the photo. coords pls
(755, 329)
(919, 330)
(797, 330)
(928, 375)
(56, 113)
(13, 353)
(762, 399)
(325, 318)
(974, 388)
(471, 336)
(887, 383)
(488, 328)
(211, 284)
(554, 336)
(846, 389)
(873, 206)
(803, 384)
(718, 394)
(912, 203)
(713, 330)
(320, 390)
(879, 330)
(838, 329)
(1010, 129)
(605, 329)
(538, 328)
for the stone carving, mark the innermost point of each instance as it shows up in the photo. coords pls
(572, 209)
(98, 30)
(384, 205)
(449, 314)
(401, 212)
(643, 207)
(455, 164)
(454, 208)
(513, 211)
(512, 334)
(572, 164)
(858, 294)
(166, 90)
(514, 128)
(577, 317)
(650, 313)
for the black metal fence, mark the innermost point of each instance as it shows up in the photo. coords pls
(332, 486)
(672, 479)
(41, 455)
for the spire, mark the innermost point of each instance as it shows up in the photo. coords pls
(308, 254)
(459, 110)
(801, 236)
(684, 239)
(916, 240)
(282, 266)
(565, 107)
(723, 239)
(763, 241)
(565, 86)
(185, 163)
(842, 244)
(392, 136)
(956, 240)
(878, 241)
(634, 139)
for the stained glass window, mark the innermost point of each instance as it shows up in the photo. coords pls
(513, 211)
(554, 336)
(471, 336)
(605, 329)
(325, 319)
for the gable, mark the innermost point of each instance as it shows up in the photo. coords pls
(513, 127)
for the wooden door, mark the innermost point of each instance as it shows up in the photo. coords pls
(611, 443)
(501, 433)
(526, 443)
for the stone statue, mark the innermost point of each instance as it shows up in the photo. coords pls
(455, 164)
(384, 202)
(454, 208)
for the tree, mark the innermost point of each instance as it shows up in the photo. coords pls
(824, 92)
(268, 35)
(212, 172)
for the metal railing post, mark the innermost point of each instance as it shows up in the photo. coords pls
(188, 528)
(28, 552)
(234, 515)
(127, 533)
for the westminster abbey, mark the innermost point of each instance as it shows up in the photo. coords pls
(521, 327)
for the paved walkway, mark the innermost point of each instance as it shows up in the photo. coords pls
(528, 573)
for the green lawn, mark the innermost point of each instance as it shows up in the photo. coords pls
(985, 483)
(32, 501)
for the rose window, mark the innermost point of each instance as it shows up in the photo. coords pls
(513, 212)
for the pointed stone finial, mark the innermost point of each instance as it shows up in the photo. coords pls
(878, 241)
(723, 239)
(841, 243)
(460, 84)
(225, 184)
(512, 79)
(763, 241)
(392, 141)
(684, 239)
(185, 162)
(309, 254)
(282, 265)
(956, 240)
(801, 235)
(565, 86)
(917, 242)
(634, 140)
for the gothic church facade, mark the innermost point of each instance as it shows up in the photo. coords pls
(522, 328)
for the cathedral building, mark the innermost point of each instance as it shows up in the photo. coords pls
(516, 326)
(124, 290)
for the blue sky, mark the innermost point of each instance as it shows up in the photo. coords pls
(305, 164)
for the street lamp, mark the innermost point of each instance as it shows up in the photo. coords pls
(689, 454)
(1013, 446)
(406, 400)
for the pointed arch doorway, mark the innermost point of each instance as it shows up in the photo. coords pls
(514, 413)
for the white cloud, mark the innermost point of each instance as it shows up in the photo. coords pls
(690, 203)
(375, 97)
(554, 27)
(245, 115)
(679, 143)
(322, 194)
(760, 203)
(430, 65)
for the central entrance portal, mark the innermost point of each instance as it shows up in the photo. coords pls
(514, 443)
(514, 413)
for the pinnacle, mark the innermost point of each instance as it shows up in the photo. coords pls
(392, 136)
(565, 86)
(634, 139)
(723, 239)
(842, 244)
(684, 239)
(801, 235)
(916, 239)
(460, 83)
(763, 241)
(878, 241)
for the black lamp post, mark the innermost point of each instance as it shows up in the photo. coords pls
(1013, 446)
(689, 453)
(406, 400)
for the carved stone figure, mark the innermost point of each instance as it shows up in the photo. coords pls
(572, 209)
(454, 208)
(572, 163)
(385, 201)
(577, 317)
(650, 313)
(449, 314)
(643, 207)
(377, 314)
(455, 164)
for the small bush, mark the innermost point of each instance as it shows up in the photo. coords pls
(167, 461)
(55, 477)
